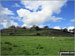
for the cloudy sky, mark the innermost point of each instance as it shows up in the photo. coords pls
(55, 14)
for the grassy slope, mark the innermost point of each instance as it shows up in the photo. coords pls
(39, 45)
(49, 32)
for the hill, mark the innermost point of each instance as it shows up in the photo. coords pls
(34, 31)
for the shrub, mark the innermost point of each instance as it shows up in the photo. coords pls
(9, 48)
(38, 34)
(8, 43)
(15, 46)
(11, 34)
(65, 30)
(39, 47)
(26, 52)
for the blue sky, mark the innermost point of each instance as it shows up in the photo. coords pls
(64, 18)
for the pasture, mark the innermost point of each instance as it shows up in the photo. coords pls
(35, 45)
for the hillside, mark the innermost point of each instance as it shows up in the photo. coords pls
(34, 32)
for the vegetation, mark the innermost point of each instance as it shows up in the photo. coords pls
(35, 31)
(35, 41)
(39, 45)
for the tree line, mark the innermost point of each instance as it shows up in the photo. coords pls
(35, 27)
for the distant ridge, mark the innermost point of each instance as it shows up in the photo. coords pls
(34, 31)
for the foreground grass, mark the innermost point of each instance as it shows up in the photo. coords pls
(35, 45)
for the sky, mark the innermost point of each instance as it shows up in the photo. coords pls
(55, 14)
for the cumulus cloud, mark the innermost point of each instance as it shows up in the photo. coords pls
(5, 11)
(14, 23)
(32, 18)
(70, 28)
(6, 24)
(23, 25)
(57, 27)
(28, 26)
(5, 20)
(45, 14)
(3, 14)
(42, 26)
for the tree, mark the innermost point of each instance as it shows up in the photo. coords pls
(46, 27)
(12, 27)
(11, 33)
(24, 27)
(37, 28)
(18, 27)
(65, 30)
(73, 30)
(34, 27)
(37, 34)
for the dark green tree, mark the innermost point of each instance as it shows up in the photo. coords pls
(24, 27)
(12, 27)
(46, 27)
(34, 27)
(65, 30)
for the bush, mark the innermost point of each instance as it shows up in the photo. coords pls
(11, 34)
(38, 34)
(8, 43)
(15, 46)
(65, 30)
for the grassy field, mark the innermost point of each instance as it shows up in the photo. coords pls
(35, 45)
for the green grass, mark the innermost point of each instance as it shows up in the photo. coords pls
(35, 45)
(67, 55)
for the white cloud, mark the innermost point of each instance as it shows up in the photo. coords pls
(48, 8)
(41, 26)
(73, 20)
(23, 12)
(28, 26)
(7, 24)
(5, 11)
(24, 25)
(6, 21)
(54, 19)
(57, 27)
(14, 23)
(70, 28)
